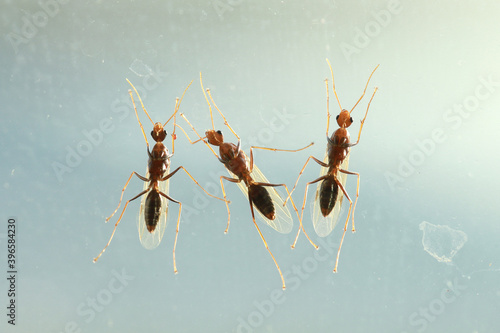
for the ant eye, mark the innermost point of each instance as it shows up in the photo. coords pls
(165, 132)
(337, 117)
(152, 133)
(351, 120)
(219, 132)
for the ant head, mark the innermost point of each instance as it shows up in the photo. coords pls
(214, 137)
(344, 119)
(158, 133)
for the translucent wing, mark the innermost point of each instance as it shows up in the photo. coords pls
(324, 225)
(151, 240)
(283, 221)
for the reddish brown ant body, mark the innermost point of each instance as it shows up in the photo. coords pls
(259, 191)
(328, 202)
(154, 207)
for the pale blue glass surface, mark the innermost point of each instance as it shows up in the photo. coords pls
(425, 257)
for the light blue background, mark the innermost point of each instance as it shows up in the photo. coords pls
(66, 75)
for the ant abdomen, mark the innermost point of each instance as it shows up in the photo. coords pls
(262, 200)
(152, 210)
(328, 195)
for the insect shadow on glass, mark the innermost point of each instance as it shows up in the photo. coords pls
(260, 193)
(328, 202)
(154, 208)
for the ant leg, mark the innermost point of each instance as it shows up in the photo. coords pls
(265, 243)
(177, 106)
(345, 225)
(207, 91)
(328, 115)
(209, 105)
(177, 227)
(302, 210)
(143, 108)
(117, 222)
(185, 133)
(357, 194)
(174, 136)
(199, 136)
(363, 121)
(274, 149)
(301, 226)
(233, 180)
(222, 115)
(123, 190)
(333, 85)
(178, 102)
(364, 91)
(194, 180)
(302, 170)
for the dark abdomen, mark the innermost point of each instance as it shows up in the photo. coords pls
(152, 210)
(328, 193)
(262, 200)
